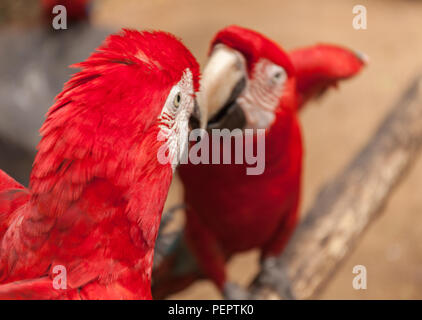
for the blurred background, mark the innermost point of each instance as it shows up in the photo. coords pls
(335, 128)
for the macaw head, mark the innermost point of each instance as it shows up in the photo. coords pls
(130, 103)
(249, 79)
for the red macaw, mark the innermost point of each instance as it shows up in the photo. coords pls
(97, 187)
(251, 82)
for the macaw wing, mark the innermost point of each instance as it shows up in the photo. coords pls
(6, 182)
(12, 196)
(35, 289)
(321, 66)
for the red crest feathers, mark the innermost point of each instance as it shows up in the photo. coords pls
(107, 109)
(253, 46)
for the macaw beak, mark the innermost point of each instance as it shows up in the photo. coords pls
(195, 120)
(223, 80)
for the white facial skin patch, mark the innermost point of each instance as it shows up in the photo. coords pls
(174, 121)
(262, 94)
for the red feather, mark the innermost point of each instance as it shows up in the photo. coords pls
(96, 190)
(230, 212)
(322, 66)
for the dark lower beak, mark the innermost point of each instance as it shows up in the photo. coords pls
(231, 116)
(195, 118)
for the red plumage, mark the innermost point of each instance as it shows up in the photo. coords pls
(96, 189)
(229, 211)
(319, 67)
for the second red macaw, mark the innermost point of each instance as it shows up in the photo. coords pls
(251, 82)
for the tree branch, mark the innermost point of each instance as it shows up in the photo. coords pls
(345, 207)
(341, 212)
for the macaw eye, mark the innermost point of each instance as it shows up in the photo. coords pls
(279, 75)
(177, 100)
(276, 74)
